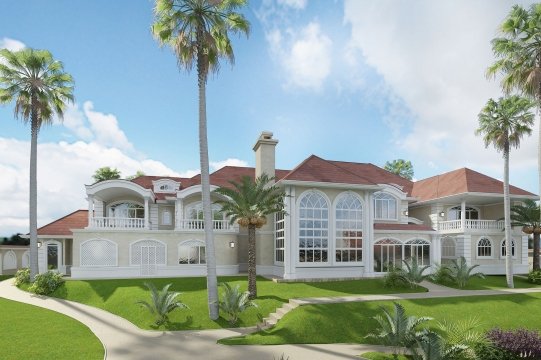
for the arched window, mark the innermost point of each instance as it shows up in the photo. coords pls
(144, 252)
(349, 228)
(448, 249)
(387, 253)
(195, 211)
(99, 252)
(384, 206)
(10, 260)
(26, 259)
(419, 249)
(313, 228)
(455, 213)
(191, 252)
(166, 217)
(127, 210)
(503, 251)
(484, 248)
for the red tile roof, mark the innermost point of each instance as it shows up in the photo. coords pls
(76, 220)
(411, 227)
(458, 182)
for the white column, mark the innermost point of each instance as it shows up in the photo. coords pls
(368, 234)
(90, 209)
(435, 247)
(179, 213)
(147, 224)
(290, 241)
(463, 215)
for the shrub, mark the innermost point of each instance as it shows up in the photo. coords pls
(22, 276)
(413, 272)
(233, 302)
(394, 277)
(441, 274)
(46, 283)
(461, 273)
(522, 343)
(487, 351)
(163, 302)
(535, 277)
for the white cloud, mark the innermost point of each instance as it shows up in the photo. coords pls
(216, 165)
(11, 44)
(305, 55)
(295, 4)
(105, 128)
(435, 68)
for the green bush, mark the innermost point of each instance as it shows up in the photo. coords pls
(22, 276)
(395, 277)
(535, 277)
(233, 302)
(441, 274)
(487, 351)
(46, 283)
(162, 302)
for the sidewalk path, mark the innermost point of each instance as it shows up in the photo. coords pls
(124, 341)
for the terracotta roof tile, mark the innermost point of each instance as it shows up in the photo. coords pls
(412, 227)
(458, 182)
(76, 220)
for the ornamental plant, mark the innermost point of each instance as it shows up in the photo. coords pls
(535, 277)
(46, 283)
(162, 302)
(22, 276)
(233, 302)
(522, 343)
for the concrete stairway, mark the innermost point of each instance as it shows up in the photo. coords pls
(273, 318)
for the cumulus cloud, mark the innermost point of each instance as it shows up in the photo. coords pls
(434, 70)
(11, 44)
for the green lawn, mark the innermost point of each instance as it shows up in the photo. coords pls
(494, 282)
(119, 297)
(4, 277)
(351, 322)
(30, 332)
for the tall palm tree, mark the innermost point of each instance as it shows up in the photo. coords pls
(527, 216)
(41, 89)
(249, 202)
(400, 167)
(503, 123)
(198, 31)
(518, 53)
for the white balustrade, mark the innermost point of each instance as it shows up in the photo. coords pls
(453, 225)
(196, 224)
(117, 223)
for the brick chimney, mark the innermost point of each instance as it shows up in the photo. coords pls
(264, 150)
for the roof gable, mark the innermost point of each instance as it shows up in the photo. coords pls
(76, 220)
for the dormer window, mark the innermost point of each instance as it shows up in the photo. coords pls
(166, 186)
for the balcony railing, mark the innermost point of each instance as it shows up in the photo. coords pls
(189, 224)
(117, 223)
(456, 225)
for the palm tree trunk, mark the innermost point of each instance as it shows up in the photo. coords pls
(252, 280)
(536, 251)
(33, 205)
(507, 215)
(212, 280)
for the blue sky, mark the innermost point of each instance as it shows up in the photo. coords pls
(365, 81)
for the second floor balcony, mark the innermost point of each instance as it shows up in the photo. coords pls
(118, 223)
(470, 225)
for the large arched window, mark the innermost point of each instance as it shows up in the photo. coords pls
(387, 253)
(127, 210)
(418, 248)
(349, 228)
(470, 213)
(385, 206)
(191, 252)
(503, 251)
(313, 228)
(484, 248)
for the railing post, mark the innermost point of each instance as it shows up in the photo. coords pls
(90, 210)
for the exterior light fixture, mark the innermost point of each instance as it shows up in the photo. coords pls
(442, 214)
(405, 213)
(39, 244)
(231, 244)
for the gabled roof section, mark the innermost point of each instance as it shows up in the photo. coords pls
(316, 169)
(146, 181)
(458, 182)
(76, 220)
(223, 176)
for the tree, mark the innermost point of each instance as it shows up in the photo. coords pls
(503, 123)
(400, 167)
(198, 31)
(518, 53)
(41, 89)
(249, 202)
(137, 174)
(106, 173)
(527, 216)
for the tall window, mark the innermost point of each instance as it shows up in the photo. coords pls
(419, 249)
(191, 252)
(194, 212)
(166, 217)
(387, 253)
(313, 228)
(349, 229)
(484, 248)
(279, 238)
(127, 210)
(448, 249)
(385, 206)
(504, 249)
(470, 213)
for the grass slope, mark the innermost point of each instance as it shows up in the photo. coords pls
(119, 297)
(494, 282)
(351, 322)
(30, 332)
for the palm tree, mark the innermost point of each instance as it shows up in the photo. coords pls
(400, 167)
(248, 203)
(460, 272)
(503, 123)
(527, 216)
(162, 302)
(41, 89)
(197, 31)
(106, 173)
(518, 53)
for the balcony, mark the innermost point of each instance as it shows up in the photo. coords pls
(456, 225)
(116, 223)
(196, 224)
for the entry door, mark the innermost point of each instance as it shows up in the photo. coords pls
(148, 260)
(53, 256)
